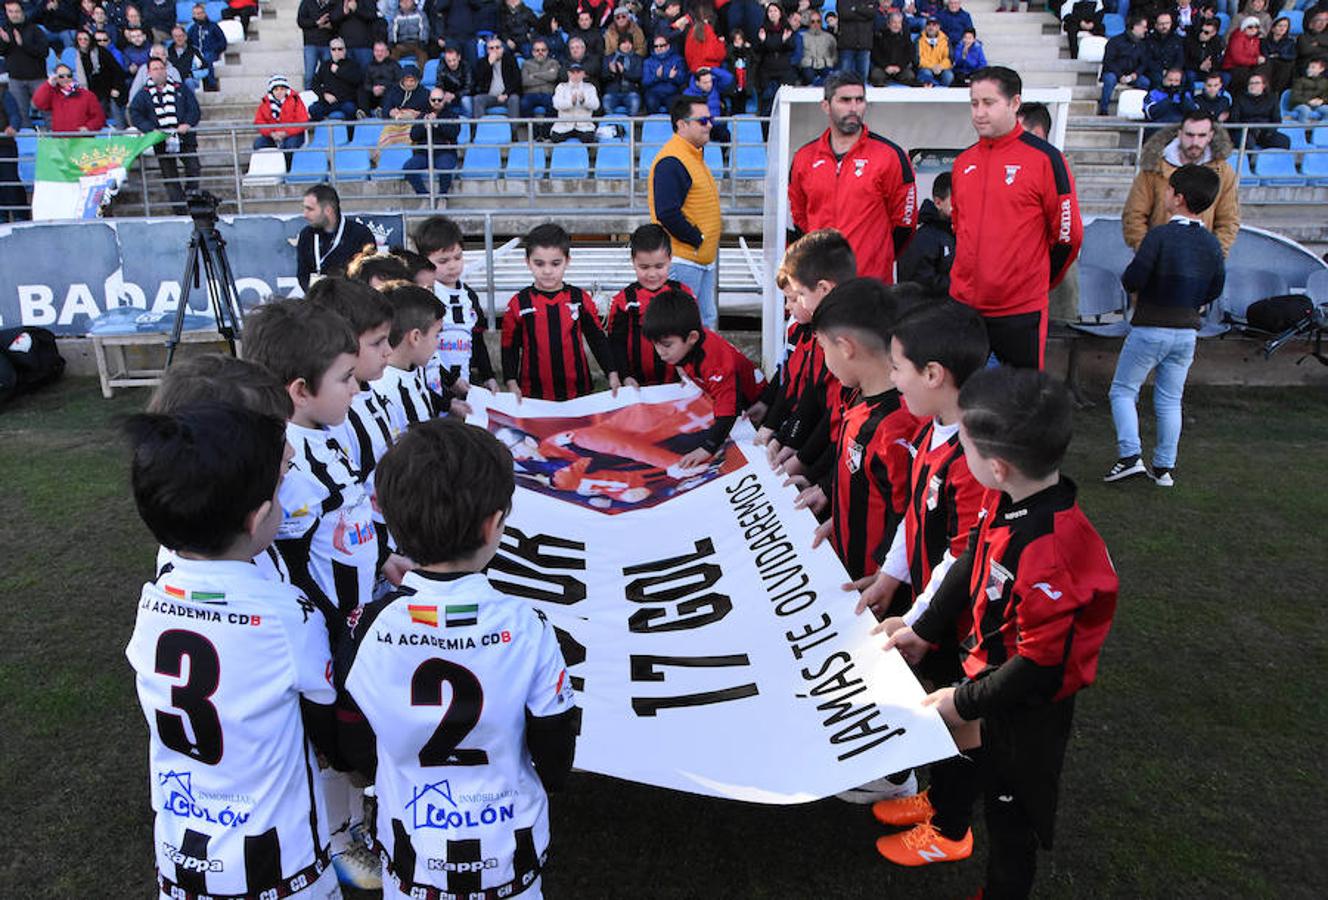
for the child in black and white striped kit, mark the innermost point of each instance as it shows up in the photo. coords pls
(462, 355)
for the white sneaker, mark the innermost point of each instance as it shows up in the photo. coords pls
(360, 868)
(880, 789)
(1125, 467)
(1162, 478)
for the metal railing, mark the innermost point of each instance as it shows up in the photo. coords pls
(374, 173)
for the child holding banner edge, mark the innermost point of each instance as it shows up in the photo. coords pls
(1039, 592)
(635, 361)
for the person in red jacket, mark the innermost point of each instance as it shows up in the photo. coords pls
(280, 109)
(1244, 54)
(1016, 221)
(855, 181)
(72, 107)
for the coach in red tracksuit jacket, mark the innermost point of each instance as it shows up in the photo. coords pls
(1016, 222)
(855, 181)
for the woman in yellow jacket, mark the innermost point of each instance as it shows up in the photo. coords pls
(934, 65)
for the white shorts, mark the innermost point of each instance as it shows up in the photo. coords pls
(325, 888)
(390, 891)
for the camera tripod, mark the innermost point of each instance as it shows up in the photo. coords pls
(207, 260)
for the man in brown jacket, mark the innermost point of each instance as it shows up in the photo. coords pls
(1199, 141)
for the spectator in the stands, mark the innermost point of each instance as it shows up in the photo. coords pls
(623, 24)
(1279, 48)
(166, 106)
(954, 19)
(408, 32)
(1244, 55)
(315, 20)
(97, 68)
(435, 135)
(173, 75)
(136, 51)
(281, 116)
(186, 59)
(774, 53)
(72, 107)
(703, 85)
(461, 21)
(1313, 41)
(516, 26)
(1167, 101)
(968, 57)
(601, 11)
(703, 48)
(622, 80)
(539, 76)
(102, 22)
(576, 101)
(1309, 94)
(58, 18)
(379, 76)
(1084, 18)
(1256, 104)
(1204, 48)
(131, 17)
(455, 75)
(668, 22)
(592, 36)
(857, 26)
(159, 16)
(820, 51)
(1124, 61)
(497, 80)
(13, 198)
(406, 100)
(576, 53)
(356, 22)
(1255, 9)
(934, 63)
(1212, 100)
(893, 53)
(664, 75)
(1166, 50)
(337, 84)
(244, 10)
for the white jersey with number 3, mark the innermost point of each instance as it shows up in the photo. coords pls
(222, 657)
(445, 671)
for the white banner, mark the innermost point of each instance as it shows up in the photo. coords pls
(712, 650)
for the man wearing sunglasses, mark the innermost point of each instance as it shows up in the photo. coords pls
(72, 107)
(684, 199)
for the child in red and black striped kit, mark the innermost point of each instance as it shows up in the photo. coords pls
(1039, 589)
(543, 328)
(635, 361)
(733, 383)
(868, 484)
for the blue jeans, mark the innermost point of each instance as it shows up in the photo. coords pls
(534, 105)
(1306, 113)
(627, 103)
(444, 161)
(858, 61)
(927, 76)
(290, 142)
(312, 57)
(701, 279)
(321, 109)
(1170, 351)
(1109, 81)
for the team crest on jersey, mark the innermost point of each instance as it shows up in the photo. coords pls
(933, 492)
(854, 456)
(997, 578)
(859, 166)
(1010, 173)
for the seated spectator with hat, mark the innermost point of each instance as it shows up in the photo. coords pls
(337, 84)
(282, 113)
(576, 101)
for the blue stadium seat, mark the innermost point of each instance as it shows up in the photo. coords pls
(1100, 294)
(1315, 168)
(184, 11)
(613, 161)
(1114, 24)
(1242, 166)
(1297, 138)
(69, 56)
(429, 78)
(27, 156)
(1296, 17)
(714, 160)
(481, 161)
(656, 130)
(1284, 104)
(747, 130)
(522, 163)
(51, 62)
(570, 160)
(749, 162)
(647, 159)
(391, 163)
(334, 133)
(1244, 285)
(1277, 168)
(352, 164)
(493, 131)
(366, 135)
(307, 167)
(536, 6)
(1225, 23)
(1319, 137)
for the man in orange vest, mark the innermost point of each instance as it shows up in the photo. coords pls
(684, 199)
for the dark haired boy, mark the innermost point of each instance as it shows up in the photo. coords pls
(719, 369)
(220, 378)
(510, 729)
(634, 359)
(927, 259)
(417, 319)
(230, 666)
(1178, 269)
(1038, 592)
(543, 327)
(1213, 101)
(462, 354)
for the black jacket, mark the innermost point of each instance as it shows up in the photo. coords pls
(307, 17)
(107, 77)
(354, 238)
(1263, 108)
(1164, 53)
(484, 75)
(356, 27)
(343, 84)
(26, 62)
(1124, 55)
(893, 49)
(396, 98)
(459, 81)
(1196, 51)
(444, 132)
(928, 257)
(857, 22)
